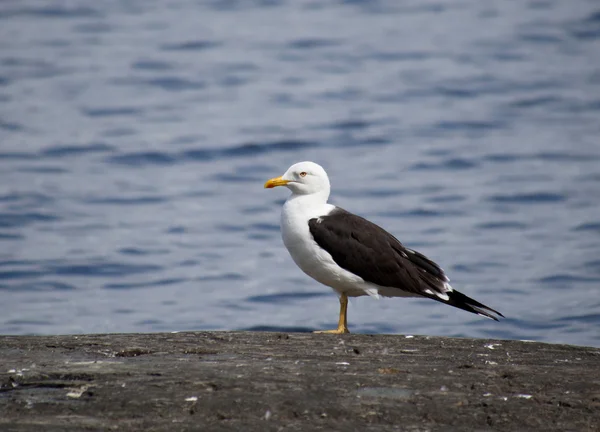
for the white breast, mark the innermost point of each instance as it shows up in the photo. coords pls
(306, 253)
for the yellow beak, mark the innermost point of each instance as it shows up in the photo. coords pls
(277, 181)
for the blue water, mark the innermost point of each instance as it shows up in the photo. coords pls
(135, 138)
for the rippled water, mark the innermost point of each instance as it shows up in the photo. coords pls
(135, 137)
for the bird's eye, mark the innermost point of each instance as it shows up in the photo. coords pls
(303, 174)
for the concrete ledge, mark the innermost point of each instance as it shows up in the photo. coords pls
(253, 381)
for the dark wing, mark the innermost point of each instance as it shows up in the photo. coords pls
(369, 251)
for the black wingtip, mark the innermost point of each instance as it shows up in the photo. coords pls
(461, 301)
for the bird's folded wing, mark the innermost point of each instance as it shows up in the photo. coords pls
(367, 250)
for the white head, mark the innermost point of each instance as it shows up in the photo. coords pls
(303, 178)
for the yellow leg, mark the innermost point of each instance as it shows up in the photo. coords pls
(342, 323)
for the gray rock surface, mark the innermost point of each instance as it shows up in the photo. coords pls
(252, 381)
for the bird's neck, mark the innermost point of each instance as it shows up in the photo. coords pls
(307, 206)
(311, 200)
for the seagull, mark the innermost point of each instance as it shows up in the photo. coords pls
(352, 255)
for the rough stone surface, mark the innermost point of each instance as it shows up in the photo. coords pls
(214, 381)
